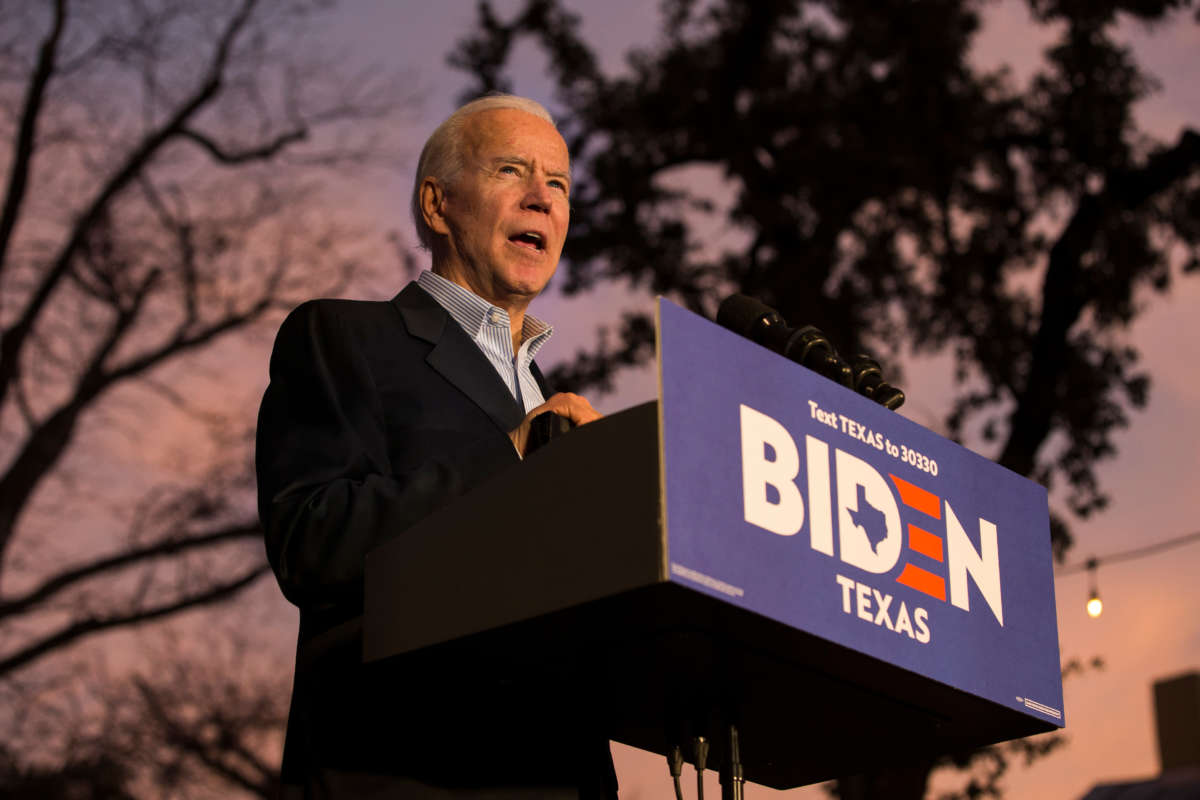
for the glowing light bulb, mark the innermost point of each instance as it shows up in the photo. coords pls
(1094, 606)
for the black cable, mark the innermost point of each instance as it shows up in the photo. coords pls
(675, 763)
(1130, 555)
(701, 758)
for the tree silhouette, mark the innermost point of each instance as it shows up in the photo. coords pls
(163, 194)
(886, 190)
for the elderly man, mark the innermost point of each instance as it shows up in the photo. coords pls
(379, 413)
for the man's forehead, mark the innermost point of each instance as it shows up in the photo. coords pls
(509, 133)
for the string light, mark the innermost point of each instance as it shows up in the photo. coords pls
(1094, 605)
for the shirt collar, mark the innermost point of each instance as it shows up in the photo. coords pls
(471, 311)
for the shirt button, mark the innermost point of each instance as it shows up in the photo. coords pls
(494, 316)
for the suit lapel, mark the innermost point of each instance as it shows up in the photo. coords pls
(456, 358)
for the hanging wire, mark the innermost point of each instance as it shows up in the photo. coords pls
(1129, 555)
(1094, 605)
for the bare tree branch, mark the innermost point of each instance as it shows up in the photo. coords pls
(24, 406)
(89, 626)
(102, 566)
(14, 338)
(183, 233)
(46, 443)
(23, 144)
(1064, 293)
(179, 401)
(184, 342)
(260, 153)
(200, 212)
(186, 738)
(49, 441)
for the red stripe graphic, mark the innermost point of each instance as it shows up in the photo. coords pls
(915, 497)
(923, 581)
(924, 542)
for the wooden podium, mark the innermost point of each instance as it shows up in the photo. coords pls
(565, 564)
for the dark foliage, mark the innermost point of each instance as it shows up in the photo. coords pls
(887, 191)
(91, 778)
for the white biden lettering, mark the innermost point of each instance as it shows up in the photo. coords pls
(774, 502)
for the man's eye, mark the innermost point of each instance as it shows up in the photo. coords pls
(562, 187)
(510, 169)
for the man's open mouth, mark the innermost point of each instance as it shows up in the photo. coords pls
(529, 239)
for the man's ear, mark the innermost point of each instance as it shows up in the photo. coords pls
(433, 205)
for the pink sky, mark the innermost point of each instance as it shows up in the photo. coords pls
(1149, 628)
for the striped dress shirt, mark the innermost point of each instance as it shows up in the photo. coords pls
(490, 328)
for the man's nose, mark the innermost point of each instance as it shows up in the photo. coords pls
(538, 196)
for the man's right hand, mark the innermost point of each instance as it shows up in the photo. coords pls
(565, 404)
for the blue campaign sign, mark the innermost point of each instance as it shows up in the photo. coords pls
(795, 498)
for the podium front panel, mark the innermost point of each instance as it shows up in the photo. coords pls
(795, 498)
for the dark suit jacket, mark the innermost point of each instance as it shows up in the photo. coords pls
(378, 414)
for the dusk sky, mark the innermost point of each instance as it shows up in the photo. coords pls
(1150, 626)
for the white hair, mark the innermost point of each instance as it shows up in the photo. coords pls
(442, 157)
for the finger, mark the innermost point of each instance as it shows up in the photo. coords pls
(573, 407)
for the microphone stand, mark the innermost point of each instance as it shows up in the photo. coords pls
(731, 769)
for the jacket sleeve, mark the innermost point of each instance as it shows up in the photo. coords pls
(327, 490)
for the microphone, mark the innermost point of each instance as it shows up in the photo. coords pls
(869, 382)
(806, 346)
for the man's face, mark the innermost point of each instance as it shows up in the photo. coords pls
(506, 213)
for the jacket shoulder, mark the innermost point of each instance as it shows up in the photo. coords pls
(336, 309)
(336, 317)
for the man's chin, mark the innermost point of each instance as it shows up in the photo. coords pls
(523, 295)
(527, 286)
